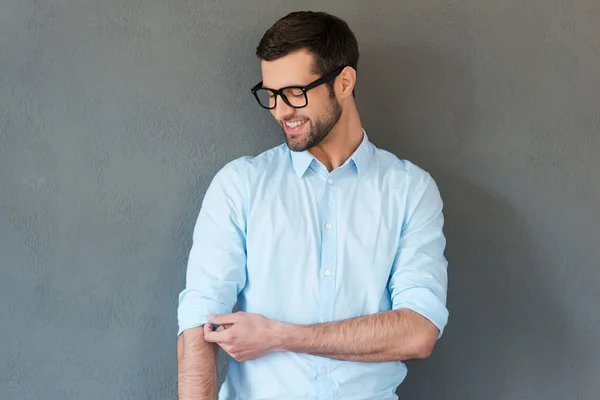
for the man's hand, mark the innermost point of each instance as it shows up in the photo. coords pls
(243, 336)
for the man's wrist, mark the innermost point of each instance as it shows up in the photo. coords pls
(280, 334)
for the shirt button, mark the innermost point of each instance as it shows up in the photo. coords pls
(330, 181)
(328, 226)
(322, 370)
(327, 272)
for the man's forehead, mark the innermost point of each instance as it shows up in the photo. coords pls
(292, 69)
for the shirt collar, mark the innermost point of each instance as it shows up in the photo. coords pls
(301, 161)
(361, 157)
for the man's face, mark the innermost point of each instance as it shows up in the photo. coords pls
(304, 127)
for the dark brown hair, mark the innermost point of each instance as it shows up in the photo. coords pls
(327, 37)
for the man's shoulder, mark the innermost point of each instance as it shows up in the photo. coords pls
(398, 170)
(248, 165)
(267, 159)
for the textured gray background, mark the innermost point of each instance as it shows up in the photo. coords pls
(115, 115)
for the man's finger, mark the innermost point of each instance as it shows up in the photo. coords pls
(216, 336)
(208, 328)
(221, 319)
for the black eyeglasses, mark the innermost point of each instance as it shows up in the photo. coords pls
(293, 96)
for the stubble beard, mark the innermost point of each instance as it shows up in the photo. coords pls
(319, 129)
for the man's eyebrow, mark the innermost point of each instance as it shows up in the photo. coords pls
(288, 85)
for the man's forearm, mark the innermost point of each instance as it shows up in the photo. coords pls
(196, 366)
(385, 336)
(373, 357)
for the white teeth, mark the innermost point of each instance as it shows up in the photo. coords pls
(294, 124)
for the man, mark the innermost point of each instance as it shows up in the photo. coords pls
(332, 247)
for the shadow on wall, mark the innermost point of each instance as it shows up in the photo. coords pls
(505, 325)
(497, 336)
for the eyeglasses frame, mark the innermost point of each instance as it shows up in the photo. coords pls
(324, 79)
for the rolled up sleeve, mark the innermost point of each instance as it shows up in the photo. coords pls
(216, 268)
(419, 280)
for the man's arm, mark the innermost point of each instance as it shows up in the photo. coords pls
(385, 336)
(197, 366)
(395, 335)
(417, 285)
(215, 275)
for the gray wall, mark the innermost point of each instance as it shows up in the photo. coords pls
(115, 115)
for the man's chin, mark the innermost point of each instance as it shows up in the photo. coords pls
(295, 142)
(295, 146)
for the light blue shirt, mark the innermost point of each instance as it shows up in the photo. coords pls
(295, 243)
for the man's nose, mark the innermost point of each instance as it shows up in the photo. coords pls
(282, 110)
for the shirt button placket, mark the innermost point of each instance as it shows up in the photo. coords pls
(326, 281)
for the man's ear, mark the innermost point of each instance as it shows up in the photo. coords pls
(347, 79)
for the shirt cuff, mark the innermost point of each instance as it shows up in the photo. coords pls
(194, 307)
(423, 301)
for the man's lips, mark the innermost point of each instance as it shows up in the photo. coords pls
(294, 126)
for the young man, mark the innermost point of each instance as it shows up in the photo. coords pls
(333, 247)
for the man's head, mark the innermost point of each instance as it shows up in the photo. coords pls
(296, 51)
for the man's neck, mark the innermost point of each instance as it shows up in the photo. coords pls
(341, 143)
